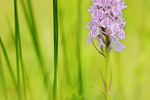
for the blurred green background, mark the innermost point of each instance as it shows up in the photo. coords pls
(130, 68)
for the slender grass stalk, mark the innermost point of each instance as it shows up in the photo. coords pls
(18, 51)
(66, 68)
(55, 22)
(35, 35)
(107, 69)
(78, 48)
(2, 75)
(13, 38)
(10, 29)
(22, 66)
(28, 19)
(66, 77)
(9, 65)
(34, 32)
(32, 28)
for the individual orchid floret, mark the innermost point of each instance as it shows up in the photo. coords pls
(107, 21)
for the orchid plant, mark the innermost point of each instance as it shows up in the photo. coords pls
(107, 25)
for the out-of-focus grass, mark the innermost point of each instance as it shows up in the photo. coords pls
(29, 16)
(2, 77)
(8, 63)
(130, 67)
(78, 37)
(55, 21)
(18, 54)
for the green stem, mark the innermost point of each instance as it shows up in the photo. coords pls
(107, 69)
(17, 48)
(22, 66)
(55, 19)
(81, 92)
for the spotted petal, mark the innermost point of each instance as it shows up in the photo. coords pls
(106, 22)
(114, 28)
(121, 34)
(113, 38)
(90, 38)
(94, 32)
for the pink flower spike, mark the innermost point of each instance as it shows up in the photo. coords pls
(106, 18)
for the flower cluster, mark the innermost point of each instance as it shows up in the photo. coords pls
(107, 21)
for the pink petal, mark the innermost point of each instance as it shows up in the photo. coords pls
(106, 22)
(89, 27)
(118, 46)
(113, 38)
(90, 38)
(121, 34)
(94, 32)
(114, 28)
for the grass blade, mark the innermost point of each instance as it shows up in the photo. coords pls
(34, 33)
(10, 29)
(66, 67)
(55, 21)
(78, 48)
(26, 14)
(9, 65)
(18, 52)
(32, 28)
(22, 66)
(3, 80)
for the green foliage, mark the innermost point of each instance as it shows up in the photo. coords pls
(18, 53)
(33, 65)
(8, 63)
(2, 77)
(73, 94)
(55, 21)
